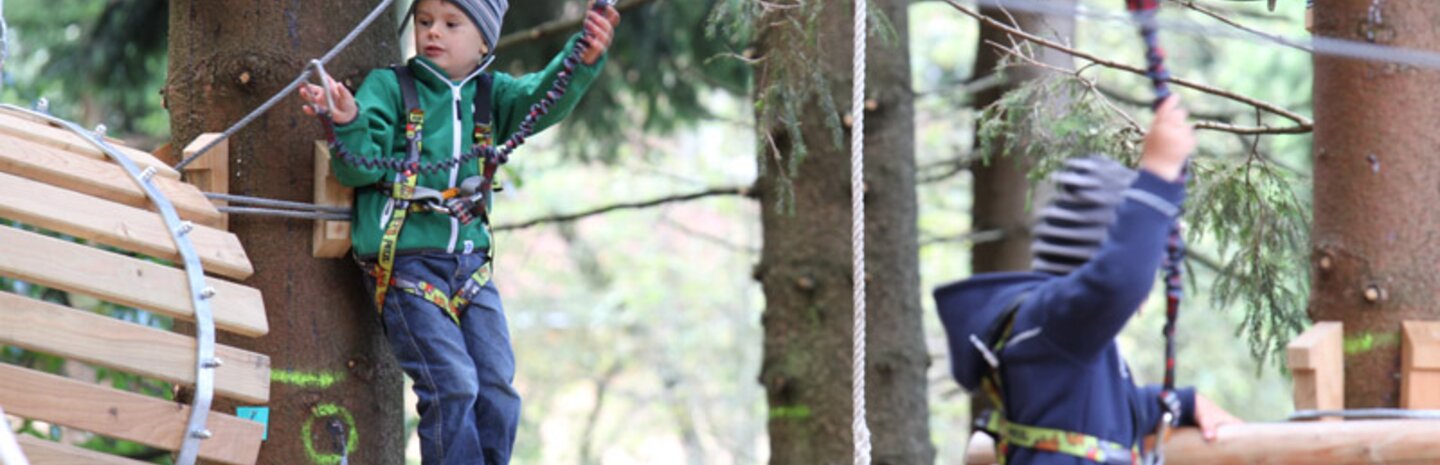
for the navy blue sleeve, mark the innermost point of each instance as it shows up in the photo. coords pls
(1150, 412)
(1082, 312)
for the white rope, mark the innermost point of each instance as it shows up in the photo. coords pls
(859, 428)
(10, 453)
(4, 43)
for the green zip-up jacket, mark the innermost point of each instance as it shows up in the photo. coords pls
(378, 131)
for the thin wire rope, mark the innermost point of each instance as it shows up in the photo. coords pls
(290, 89)
(295, 214)
(238, 200)
(859, 428)
(1371, 413)
(1318, 45)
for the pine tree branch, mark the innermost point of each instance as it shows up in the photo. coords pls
(1224, 19)
(973, 237)
(1303, 124)
(742, 191)
(559, 26)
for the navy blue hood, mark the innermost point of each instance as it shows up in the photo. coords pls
(971, 307)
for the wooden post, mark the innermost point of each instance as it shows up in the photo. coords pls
(210, 173)
(1420, 365)
(1317, 361)
(331, 238)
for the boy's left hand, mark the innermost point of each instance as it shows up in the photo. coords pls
(599, 28)
(1211, 417)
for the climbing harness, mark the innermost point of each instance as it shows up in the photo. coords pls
(470, 201)
(1007, 433)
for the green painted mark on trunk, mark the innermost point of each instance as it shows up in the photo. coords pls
(796, 412)
(1357, 344)
(306, 380)
(352, 442)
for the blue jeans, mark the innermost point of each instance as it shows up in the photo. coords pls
(468, 409)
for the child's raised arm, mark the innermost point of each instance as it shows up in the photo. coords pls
(1084, 311)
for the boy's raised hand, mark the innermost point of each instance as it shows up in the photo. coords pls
(345, 109)
(1170, 141)
(599, 27)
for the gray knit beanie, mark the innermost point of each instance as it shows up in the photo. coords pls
(488, 16)
(1077, 221)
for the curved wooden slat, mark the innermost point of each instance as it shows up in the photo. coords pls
(123, 415)
(116, 225)
(87, 337)
(42, 452)
(28, 127)
(100, 179)
(126, 281)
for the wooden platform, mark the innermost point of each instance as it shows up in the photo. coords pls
(1316, 358)
(74, 221)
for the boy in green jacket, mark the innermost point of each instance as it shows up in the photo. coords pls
(410, 142)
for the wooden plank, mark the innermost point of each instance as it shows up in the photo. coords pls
(122, 415)
(25, 127)
(1304, 443)
(91, 338)
(42, 452)
(330, 239)
(126, 281)
(1420, 365)
(100, 179)
(116, 225)
(210, 173)
(1317, 363)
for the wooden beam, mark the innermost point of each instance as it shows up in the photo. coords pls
(210, 173)
(1317, 362)
(126, 281)
(91, 338)
(1420, 365)
(116, 225)
(122, 415)
(331, 239)
(100, 179)
(23, 126)
(1306, 443)
(42, 452)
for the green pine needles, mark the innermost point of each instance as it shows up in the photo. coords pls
(1244, 208)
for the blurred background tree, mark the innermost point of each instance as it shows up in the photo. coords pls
(639, 331)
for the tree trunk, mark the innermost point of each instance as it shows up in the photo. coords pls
(805, 265)
(327, 349)
(1375, 175)
(1001, 184)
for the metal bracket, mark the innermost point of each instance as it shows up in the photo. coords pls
(200, 293)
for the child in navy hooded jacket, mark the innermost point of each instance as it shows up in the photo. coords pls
(1098, 249)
